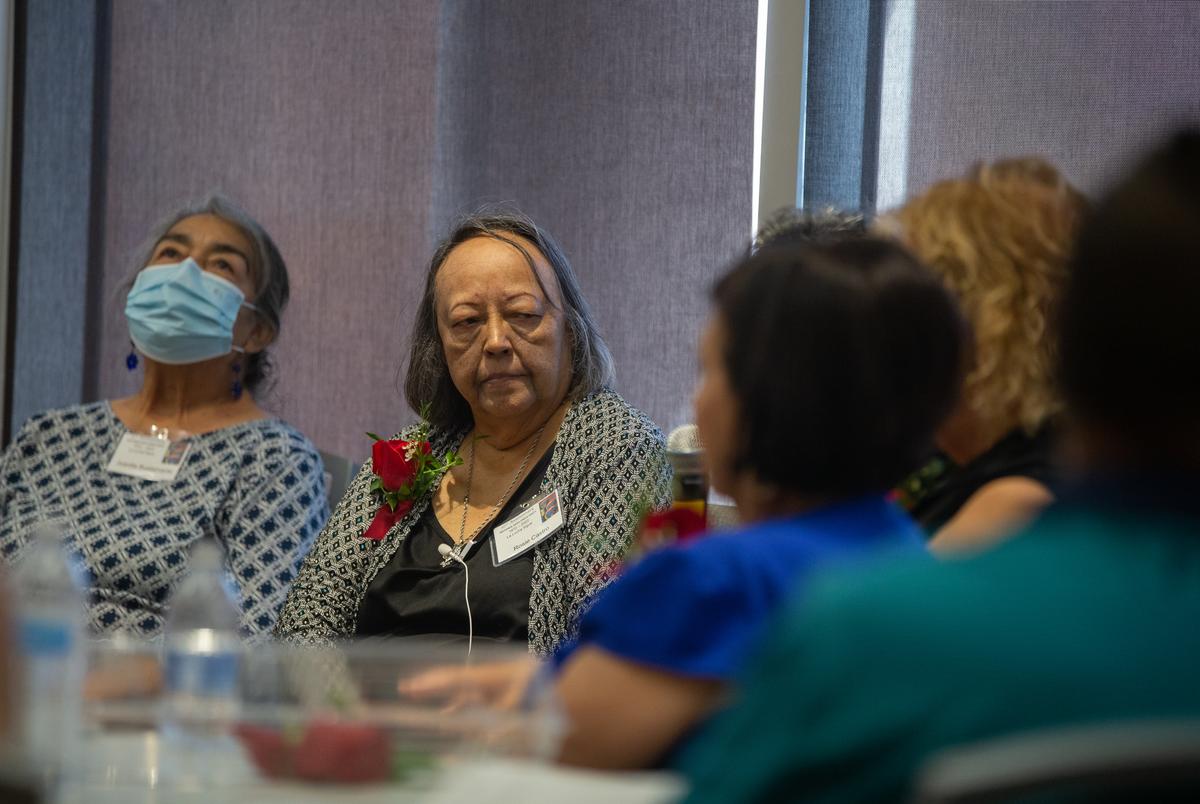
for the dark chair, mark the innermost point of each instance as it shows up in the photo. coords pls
(1155, 760)
(339, 472)
(17, 785)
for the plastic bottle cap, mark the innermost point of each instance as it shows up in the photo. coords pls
(206, 555)
(49, 532)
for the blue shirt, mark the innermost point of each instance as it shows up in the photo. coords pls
(697, 608)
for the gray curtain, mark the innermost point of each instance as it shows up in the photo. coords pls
(627, 130)
(905, 92)
(1088, 85)
(54, 214)
(841, 104)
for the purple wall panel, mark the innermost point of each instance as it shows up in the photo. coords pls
(319, 122)
(1086, 84)
(356, 130)
(627, 129)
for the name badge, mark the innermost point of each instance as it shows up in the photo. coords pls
(148, 457)
(527, 529)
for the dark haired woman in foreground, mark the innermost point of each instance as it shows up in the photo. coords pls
(825, 372)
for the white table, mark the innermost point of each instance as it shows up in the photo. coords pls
(134, 768)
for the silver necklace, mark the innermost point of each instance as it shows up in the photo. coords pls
(464, 544)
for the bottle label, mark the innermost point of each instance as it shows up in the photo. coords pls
(45, 638)
(202, 674)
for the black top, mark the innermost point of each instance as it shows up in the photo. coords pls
(413, 594)
(1015, 455)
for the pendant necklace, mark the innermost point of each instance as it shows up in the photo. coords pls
(464, 544)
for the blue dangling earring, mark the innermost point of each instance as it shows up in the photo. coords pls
(131, 360)
(237, 379)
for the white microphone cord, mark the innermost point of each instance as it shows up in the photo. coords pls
(448, 552)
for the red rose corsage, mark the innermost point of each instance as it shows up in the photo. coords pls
(404, 472)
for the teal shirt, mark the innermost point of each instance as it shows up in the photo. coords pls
(1089, 615)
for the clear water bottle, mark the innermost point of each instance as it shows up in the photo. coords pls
(51, 628)
(202, 652)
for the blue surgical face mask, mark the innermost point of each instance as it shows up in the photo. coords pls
(182, 314)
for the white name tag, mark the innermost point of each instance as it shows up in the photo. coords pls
(527, 529)
(148, 457)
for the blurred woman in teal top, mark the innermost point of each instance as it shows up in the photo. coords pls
(824, 371)
(1087, 617)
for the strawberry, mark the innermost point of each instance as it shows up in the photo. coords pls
(268, 750)
(342, 752)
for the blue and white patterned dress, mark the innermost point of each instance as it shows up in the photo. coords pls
(256, 487)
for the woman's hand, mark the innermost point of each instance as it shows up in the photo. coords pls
(124, 678)
(499, 685)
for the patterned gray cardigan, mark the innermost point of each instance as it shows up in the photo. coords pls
(609, 459)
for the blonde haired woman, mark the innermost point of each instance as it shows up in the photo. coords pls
(999, 238)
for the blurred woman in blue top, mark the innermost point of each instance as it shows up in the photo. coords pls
(825, 370)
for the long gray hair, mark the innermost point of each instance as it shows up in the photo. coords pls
(428, 379)
(267, 271)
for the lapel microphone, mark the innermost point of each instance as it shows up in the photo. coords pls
(446, 551)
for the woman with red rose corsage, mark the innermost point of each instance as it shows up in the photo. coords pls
(807, 440)
(526, 469)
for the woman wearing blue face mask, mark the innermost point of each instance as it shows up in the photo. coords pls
(132, 483)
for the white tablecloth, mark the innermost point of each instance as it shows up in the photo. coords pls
(136, 768)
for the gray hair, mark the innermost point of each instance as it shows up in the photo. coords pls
(267, 271)
(428, 381)
(797, 227)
